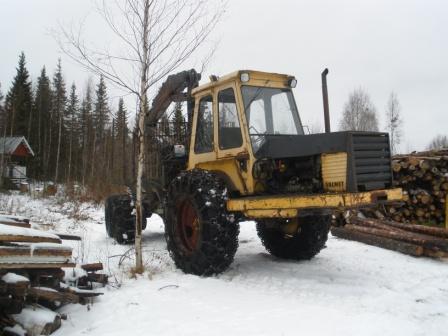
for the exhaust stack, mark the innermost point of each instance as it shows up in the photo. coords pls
(325, 99)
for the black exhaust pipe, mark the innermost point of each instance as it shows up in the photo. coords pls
(325, 98)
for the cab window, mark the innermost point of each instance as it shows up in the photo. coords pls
(204, 129)
(229, 131)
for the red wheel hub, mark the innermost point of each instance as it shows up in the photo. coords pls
(188, 225)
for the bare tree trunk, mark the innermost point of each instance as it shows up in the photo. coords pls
(56, 174)
(141, 140)
(12, 118)
(48, 150)
(70, 155)
(30, 119)
(112, 152)
(92, 160)
(85, 151)
(123, 154)
(39, 137)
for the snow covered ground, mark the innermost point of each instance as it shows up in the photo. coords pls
(348, 289)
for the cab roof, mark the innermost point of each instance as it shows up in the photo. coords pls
(256, 78)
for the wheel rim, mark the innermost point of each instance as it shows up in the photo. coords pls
(188, 225)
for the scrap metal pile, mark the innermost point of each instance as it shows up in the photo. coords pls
(37, 276)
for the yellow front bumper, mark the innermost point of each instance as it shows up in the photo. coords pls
(288, 206)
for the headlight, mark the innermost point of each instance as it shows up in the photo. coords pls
(244, 77)
(292, 82)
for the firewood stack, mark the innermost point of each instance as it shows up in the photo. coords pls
(411, 239)
(424, 176)
(37, 276)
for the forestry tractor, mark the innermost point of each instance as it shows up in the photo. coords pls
(243, 155)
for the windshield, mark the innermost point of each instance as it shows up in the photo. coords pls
(270, 111)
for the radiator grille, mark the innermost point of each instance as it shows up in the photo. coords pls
(372, 161)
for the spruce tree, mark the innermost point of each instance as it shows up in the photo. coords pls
(100, 119)
(72, 117)
(86, 130)
(121, 136)
(101, 113)
(179, 123)
(19, 101)
(42, 113)
(59, 105)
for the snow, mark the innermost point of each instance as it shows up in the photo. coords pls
(34, 259)
(8, 220)
(35, 317)
(12, 278)
(7, 230)
(73, 274)
(47, 289)
(348, 289)
(13, 218)
(49, 246)
(16, 330)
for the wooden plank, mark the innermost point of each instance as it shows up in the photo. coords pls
(35, 265)
(25, 251)
(52, 295)
(92, 267)
(52, 253)
(14, 251)
(65, 236)
(28, 239)
(15, 223)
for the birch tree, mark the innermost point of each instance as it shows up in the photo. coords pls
(359, 113)
(438, 142)
(153, 39)
(394, 122)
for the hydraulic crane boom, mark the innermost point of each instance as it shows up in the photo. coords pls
(172, 90)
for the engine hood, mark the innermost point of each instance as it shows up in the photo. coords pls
(288, 146)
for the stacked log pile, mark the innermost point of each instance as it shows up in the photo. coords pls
(37, 276)
(424, 176)
(411, 239)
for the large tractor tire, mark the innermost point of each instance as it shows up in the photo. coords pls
(120, 223)
(201, 235)
(304, 244)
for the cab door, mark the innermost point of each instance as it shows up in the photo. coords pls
(232, 153)
(203, 147)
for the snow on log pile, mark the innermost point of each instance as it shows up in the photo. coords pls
(37, 275)
(411, 239)
(424, 176)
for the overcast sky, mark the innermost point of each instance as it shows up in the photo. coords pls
(379, 45)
